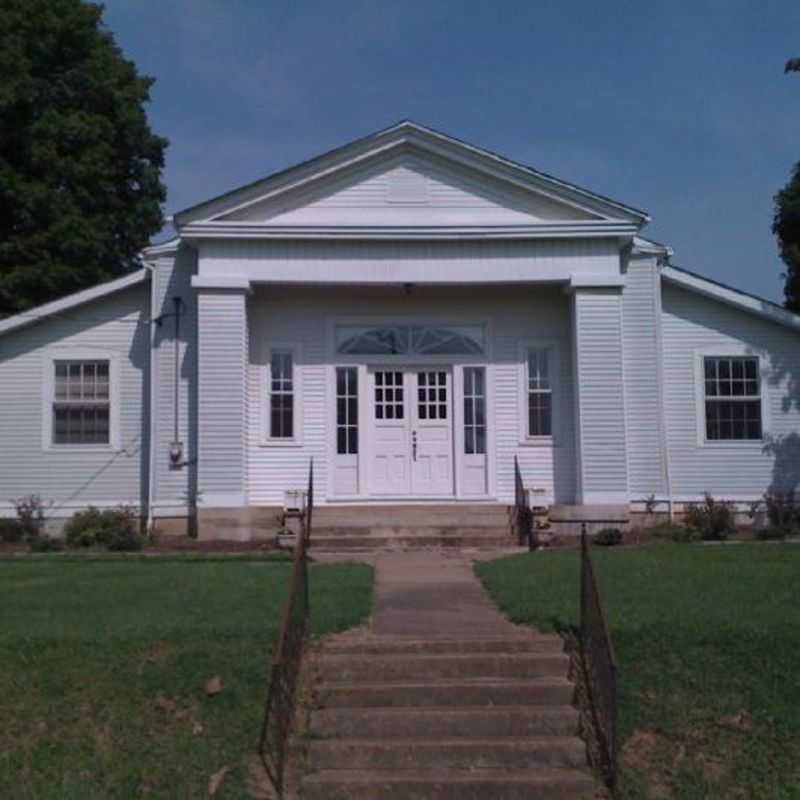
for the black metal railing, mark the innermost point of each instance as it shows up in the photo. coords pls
(279, 711)
(600, 671)
(523, 515)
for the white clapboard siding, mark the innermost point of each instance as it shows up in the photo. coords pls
(173, 279)
(642, 402)
(600, 407)
(222, 407)
(71, 478)
(349, 262)
(300, 317)
(409, 189)
(735, 470)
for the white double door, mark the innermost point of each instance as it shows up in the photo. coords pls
(411, 442)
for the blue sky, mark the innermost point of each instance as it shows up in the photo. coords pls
(680, 108)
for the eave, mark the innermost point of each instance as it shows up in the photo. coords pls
(39, 313)
(546, 230)
(731, 297)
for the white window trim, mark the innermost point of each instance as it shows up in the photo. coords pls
(730, 350)
(297, 383)
(71, 353)
(554, 364)
(348, 359)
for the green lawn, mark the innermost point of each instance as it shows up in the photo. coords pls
(103, 668)
(708, 640)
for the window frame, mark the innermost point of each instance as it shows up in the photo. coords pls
(72, 353)
(296, 440)
(463, 417)
(348, 425)
(554, 365)
(729, 351)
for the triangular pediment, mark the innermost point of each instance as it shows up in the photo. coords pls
(407, 177)
(407, 189)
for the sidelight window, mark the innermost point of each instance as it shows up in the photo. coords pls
(474, 410)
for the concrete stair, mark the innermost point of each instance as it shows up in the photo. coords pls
(400, 717)
(370, 528)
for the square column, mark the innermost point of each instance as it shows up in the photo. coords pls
(222, 393)
(601, 448)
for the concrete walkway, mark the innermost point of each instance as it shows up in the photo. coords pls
(430, 594)
(442, 698)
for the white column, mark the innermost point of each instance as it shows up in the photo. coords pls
(222, 394)
(599, 395)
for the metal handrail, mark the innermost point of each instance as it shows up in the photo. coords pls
(279, 709)
(600, 670)
(523, 515)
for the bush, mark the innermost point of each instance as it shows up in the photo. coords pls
(45, 544)
(126, 540)
(773, 534)
(112, 528)
(11, 531)
(30, 515)
(608, 537)
(675, 533)
(782, 511)
(714, 520)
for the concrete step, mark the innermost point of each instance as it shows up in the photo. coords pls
(526, 641)
(369, 543)
(467, 754)
(442, 784)
(355, 668)
(438, 722)
(410, 531)
(475, 692)
(378, 514)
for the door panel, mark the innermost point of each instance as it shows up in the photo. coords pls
(390, 472)
(432, 434)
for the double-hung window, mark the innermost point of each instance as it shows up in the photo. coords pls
(732, 394)
(81, 402)
(281, 421)
(539, 392)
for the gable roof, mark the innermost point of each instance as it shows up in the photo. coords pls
(71, 301)
(410, 136)
(737, 298)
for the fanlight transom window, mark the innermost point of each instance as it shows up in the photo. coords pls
(420, 340)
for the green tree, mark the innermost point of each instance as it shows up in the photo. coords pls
(786, 226)
(80, 169)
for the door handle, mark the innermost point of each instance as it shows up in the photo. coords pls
(413, 445)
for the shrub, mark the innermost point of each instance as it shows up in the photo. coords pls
(782, 511)
(126, 540)
(45, 544)
(11, 531)
(675, 533)
(112, 528)
(772, 534)
(608, 537)
(30, 515)
(714, 520)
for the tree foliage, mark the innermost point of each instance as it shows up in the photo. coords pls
(786, 226)
(80, 169)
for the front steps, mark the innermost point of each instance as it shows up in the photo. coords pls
(371, 528)
(442, 718)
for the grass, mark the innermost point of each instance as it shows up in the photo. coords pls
(708, 641)
(103, 668)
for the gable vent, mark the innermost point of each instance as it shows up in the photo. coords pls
(406, 186)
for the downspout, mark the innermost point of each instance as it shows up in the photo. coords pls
(662, 411)
(152, 415)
